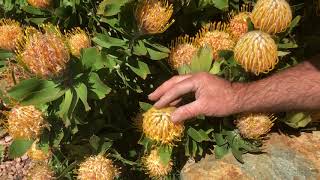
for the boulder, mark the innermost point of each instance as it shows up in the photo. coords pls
(283, 158)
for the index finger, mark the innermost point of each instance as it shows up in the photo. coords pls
(161, 90)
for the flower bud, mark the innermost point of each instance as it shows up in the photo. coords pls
(10, 34)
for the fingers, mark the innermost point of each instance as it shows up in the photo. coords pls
(166, 86)
(176, 102)
(187, 111)
(179, 89)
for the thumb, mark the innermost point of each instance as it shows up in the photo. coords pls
(187, 111)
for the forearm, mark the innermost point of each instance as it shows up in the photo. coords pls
(297, 88)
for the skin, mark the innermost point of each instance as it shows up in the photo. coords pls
(297, 88)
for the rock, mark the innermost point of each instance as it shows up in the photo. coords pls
(8, 139)
(284, 158)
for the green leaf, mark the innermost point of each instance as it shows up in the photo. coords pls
(293, 24)
(140, 49)
(82, 93)
(220, 4)
(97, 86)
(1, 152)
(289, 45)
(36, 91)
(202, 61)
(156, 55)
(107, 41)
(4, 54)
(145, 106)
(66, 104)
(219, 139)
(105, 147)
(34, 11)
(220, 151)
(110, 7)
(194, 134)
(184, 69)
(89, 56)
(216, 67)
(142, 70)
(165, 154)
(94, 142)
(19, 147)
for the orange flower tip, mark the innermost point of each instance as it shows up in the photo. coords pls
(78, 39)
(10, 34)
(157, 126)
(43, 4)
(238, 25)
(40, 171)
(153, 165)
(254, 126)
(25, 122)
(153, 16)
(182, 52)
(97, 167)
(217, 40)
(45, 54)
(271, 16)
(256, 52)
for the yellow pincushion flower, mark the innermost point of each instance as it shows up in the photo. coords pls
(77, 40)
(157, 125)
(271, 16)
(256, 52)
(253, 126)
(216, 38)
(40, 3)
(238, 25)
(10, 33)
(153, 16)
(36, 154)
(25, 122)
(153, 165)
(97, 167)
(44, 54)
(182, 52)
(40, 171)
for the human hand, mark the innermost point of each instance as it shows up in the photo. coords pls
(214, 96)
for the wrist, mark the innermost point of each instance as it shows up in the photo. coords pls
(239, 93)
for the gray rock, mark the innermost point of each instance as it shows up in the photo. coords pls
(285, 158)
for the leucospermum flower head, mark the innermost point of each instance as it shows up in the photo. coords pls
(40, 171)
(40, 3)
(157, 125)
(97, 167)
(182, 52)
(78, 39)
(45, 54)
(271, 16)
(216, 38)
(10, 33)
(153, 165)
(153, 16)
(37, 154)
(253, 126)
(25, 122)
(256, 52)
(238, 24)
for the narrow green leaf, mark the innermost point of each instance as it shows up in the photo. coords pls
(145, 106)
(194, 134)
(97, 86)
(107, 41)
(65, 105)
(165, 154)
(89, 56)
(19, 147)
(140, 49)
(35, 91)
(142, 70)
(157, 55)
(94, 142)
(202, 61)
(220, 151)
(82, 92)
